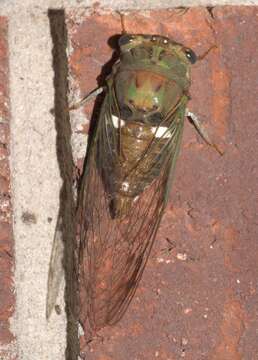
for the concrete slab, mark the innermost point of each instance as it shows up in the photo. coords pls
(35, 182)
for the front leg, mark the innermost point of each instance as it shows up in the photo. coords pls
(201, 130)
(94, 93)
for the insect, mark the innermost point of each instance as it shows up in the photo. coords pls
(129, 170)
(128, 174)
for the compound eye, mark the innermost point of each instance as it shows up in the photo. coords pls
(190, 56)
(125, 39)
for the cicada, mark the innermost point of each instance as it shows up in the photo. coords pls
(129, 170)
(128, 174)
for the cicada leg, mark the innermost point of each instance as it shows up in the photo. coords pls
(201, 130)
(202, 56)
(94, 93)
(181, 10)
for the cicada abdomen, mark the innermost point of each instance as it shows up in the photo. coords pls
(129, 168)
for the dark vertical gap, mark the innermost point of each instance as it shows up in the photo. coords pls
(65, 160)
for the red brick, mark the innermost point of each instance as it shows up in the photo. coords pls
(212, 216)
(7, 298)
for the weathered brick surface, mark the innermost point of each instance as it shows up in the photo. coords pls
(7, 298)
(199, 299)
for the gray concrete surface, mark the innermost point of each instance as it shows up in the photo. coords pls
(35, 182)
(35, 174)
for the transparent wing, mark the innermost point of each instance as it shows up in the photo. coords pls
(114, 251)
(56, 270)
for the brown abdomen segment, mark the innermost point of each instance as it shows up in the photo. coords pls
(140, 165)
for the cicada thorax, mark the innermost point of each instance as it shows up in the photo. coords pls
(149, 83)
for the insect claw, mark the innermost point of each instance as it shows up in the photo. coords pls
(122, 19)
(218, 149)
(181, 10)
(210, 11)
(94, 93)
(201, 130)
(210, 143)
(201, 57)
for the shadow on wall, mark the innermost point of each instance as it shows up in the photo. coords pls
(64, 154)
(66, 219)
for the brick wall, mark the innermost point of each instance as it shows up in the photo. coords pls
(198, 299)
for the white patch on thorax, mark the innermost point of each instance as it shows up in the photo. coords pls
(115, 121)
(161, 131)
(125, 186)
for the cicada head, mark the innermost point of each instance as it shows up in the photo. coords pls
(151, 77)
(157, 49)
